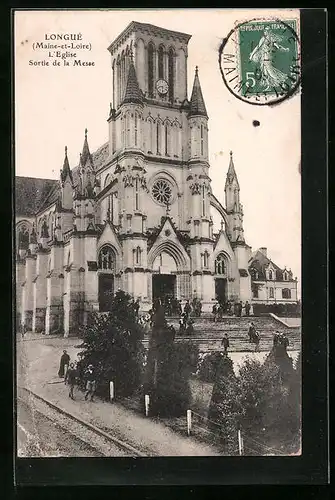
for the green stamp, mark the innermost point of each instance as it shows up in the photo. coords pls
(260, 60)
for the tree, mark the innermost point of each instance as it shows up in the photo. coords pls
(169, 366)
(112, 344)
(224, 407)
(208, 367)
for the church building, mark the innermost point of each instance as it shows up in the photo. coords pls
(136, 214)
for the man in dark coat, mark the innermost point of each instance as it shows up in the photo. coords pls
(64, 361)
(187, 308)
(225, 343)
(247, 308)
(136, 306)
(90, 382)
(71, 379)
(239, 309)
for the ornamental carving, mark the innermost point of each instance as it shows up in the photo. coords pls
(195, 187)
(128, 178)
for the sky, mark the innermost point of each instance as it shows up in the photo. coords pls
(54, 105)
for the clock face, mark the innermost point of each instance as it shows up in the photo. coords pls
(162, 86)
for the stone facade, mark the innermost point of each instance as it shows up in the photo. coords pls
(136, 214)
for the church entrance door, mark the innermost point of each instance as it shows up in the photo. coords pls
(221, 290)
(163, 285)
(106, 291)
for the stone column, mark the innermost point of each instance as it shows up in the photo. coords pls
(55, 286)
(208, 291)
(28, 296)
(40, 290)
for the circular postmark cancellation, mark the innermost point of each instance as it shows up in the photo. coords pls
(259, 61)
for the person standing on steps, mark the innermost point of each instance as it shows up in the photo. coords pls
(225, 343)
(247, 308)
(90, 382)
(64, 363)
(251, 332)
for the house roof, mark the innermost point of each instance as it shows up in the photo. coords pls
(34, 194)
(260, 262)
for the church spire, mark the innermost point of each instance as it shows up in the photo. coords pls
(197, 103)
(133, 93)
(66, 171)
(85, 155)
(231, 174)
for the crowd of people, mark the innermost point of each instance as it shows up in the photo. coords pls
(221, 308)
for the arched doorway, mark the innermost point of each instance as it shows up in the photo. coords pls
(221, 275)
(164, 278)
(106, 270)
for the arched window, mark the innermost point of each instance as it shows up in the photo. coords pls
(285, 276)
(203, 202)
(136, 130)
(202, 140)
(138, 255)
(171, 74)
(150, 70)
(137, 194)
(220, 267)
(206, 258)
(161, 62)
(23, 237)
(166, 140)
(271, 293)
(110, 214)
(270, 275)
(123, 127)
(106, 259)
(158, 137)
(151, 136)
(286, 293)
(127, 130)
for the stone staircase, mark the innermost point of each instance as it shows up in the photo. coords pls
(207, 334)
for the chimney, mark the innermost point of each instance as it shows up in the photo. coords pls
(264, 251)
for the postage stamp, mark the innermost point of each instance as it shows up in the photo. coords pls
(260, 61)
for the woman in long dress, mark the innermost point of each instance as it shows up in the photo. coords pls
(262, 56)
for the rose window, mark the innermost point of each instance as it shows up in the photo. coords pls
(162, 191)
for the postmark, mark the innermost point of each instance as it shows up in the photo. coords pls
(259, 61)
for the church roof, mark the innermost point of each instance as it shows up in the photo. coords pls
(32, 195)
(197, 103)
(133, 93)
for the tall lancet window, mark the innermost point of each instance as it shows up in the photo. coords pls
(136, 129)
(166, 131)
(160, 62)
(203, 202)
(127, 129)
(138, 255)
(171, 74)
(201, 140)
(137, 194)
(158, 137)
(150, 70)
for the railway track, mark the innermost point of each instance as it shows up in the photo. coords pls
(71, 432)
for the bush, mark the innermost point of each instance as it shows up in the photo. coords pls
(282, 310)
(263, 400)
(208, 366)
(112, 344)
